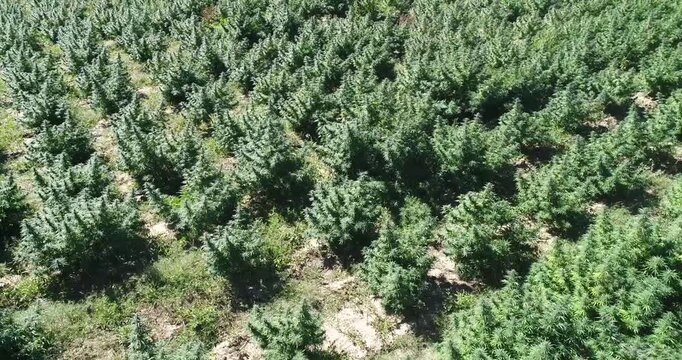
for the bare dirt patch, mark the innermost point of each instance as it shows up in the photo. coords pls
(104, 141)
(100, 347)
(237, 348)
(161, 325)
(643, 101)
(9, 281)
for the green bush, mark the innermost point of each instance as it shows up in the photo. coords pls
(108, 84)
(22, 341)
(13, 208)
(344, 215)
(152, 155)
(59, 183)
(87, 239)
(268, 162)
(69, 139)
(396, 264)
(486, 237)
(210, 100)
(241, 254)
(142, 347)
(207, 199)
(613, 294)
(289, 333)
(140, 344)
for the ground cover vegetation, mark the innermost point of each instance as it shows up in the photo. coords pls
(332, 179)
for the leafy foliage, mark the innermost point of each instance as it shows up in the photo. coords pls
(207, 198)
(13, 208)
(108, 83)
(396, 265)
(612, 294)
(140, 345)
(22, 341)
(486, 238)
(150, 154)
(267, 161)
(290, 333)
(88, 238)
(569, 109)
(241, 254)
(69, 139)
(344, 215)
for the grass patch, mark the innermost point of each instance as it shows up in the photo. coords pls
(11, 134)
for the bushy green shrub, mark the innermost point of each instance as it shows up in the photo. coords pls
(268, 162)
(108, 84)
(181, 71)
(207, 199)
(470, 156)
(22, 341)
(152, 155)
(13, 208)
(349, 147)
(231, 128)
(486, 237)
(69, 139)
(46, 106)
(140, 344)
(560, 193)
(344, 215)
(60, 182)
(671, 200)
(88, 239)
(241, 254)
(396, 264)
(142, 347)
(207, 101)
(613, 294)
(81, 45)
(290, 333)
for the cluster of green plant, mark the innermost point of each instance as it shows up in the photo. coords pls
(82, 232)
(108, 84)
(22, 340)
(263, 125)
(142, 347)
(293, 332)
(345, 215)
(602, 167)
(397, 263)
(70, 140)
(611, 295)
(13, 208)
(486, 237)
(150, 154)
(207, 198)
(242, 253)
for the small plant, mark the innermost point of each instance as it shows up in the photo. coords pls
(268, 162)
(290, 333)
(241, 254)
(22, 341)
(486, 238)
(109, 84)
(344, 215)
(70, 139)
(13, 208)
(207, 199)
(84, 239)
(140, 344)
(396, 265)
(142, 347)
